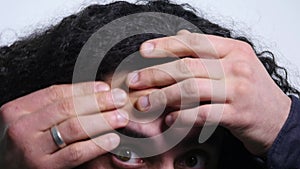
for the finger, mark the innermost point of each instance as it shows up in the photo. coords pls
(80, 105)
(183, 32)
(85, 127)
(81, 152)
(209, 114)
(176, 71)
(39, 99)
(188, 44)
(184, 93)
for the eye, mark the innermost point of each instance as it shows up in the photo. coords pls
(125, 157)
(194, 160)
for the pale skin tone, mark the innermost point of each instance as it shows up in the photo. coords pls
(255, 109)
(29, 118)
(78, 152)
(188, 154)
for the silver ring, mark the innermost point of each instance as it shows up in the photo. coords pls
(57, 137)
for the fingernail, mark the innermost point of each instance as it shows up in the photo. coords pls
(119, 97)
(112, 141)
(144, 102)
(133, 77)
(100, 87)
(170, 119)
(147, 47)
(122, 117)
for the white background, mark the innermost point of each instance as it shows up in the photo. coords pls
(272, 24)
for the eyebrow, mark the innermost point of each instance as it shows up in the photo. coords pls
(132, 133)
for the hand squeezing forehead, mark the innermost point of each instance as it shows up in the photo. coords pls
(227, 73)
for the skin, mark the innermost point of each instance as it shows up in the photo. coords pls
(175, 158)
(253, 108)
(224, 71)
(28, 120)
(55, 105)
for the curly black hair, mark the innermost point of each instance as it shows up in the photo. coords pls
(48, 57)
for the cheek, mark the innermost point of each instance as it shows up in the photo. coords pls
(101, 162)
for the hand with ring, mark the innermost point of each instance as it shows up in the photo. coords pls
(62, 126)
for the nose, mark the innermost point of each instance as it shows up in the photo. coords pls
(167, 163)
(167, 166)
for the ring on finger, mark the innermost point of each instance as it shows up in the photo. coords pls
(57, 137)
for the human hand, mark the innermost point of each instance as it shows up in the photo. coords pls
(227, 72)
(75, 109)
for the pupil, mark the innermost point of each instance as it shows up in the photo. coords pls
(125, 155)
(191, 161)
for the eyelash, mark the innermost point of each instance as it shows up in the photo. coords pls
(133, 155)
(180, 162)
(201, 156)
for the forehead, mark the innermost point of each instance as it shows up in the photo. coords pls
(145, 122)
(151, 124)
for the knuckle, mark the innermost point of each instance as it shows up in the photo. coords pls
(14, 131)
(75, 153)
(242, 88)
(189, 88)
(160, 98)
(10, 112)
(74, 127)
(153, 75)
(244, 48)
(55, 92)
(9, 107)
(65, 107)
(151, 72)
(6, 110)
(167, 45)
(184, 65)
(242, 69)
(193, 40)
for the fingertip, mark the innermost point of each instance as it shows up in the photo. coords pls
(170, 119)
(108, 141)
(132, 78)
(143, 103)
(114, 140)
(147, 48)
(120, 97)
(101, 87)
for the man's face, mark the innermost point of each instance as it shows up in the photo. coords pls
(130, 154)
